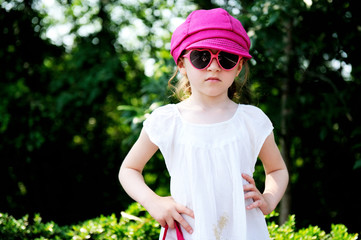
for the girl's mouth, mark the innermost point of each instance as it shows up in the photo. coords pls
(213, 79)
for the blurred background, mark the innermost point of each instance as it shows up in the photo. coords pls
(77, 78)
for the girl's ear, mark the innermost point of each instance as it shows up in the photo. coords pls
(181, 66)
(240, 66)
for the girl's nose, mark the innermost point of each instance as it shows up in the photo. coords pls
(214, 66)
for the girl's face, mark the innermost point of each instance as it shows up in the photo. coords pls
(213, 81)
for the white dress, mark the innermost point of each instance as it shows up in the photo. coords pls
(205, 162)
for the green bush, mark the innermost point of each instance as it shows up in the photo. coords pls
(288, 231)
(136, 224)
(11, 228)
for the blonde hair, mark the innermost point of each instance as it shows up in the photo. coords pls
(182, 89)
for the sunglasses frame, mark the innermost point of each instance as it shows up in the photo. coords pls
(213, 55)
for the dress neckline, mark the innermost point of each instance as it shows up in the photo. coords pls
(178, 113)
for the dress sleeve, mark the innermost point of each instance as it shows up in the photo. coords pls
(260, 126)
(157, 124)
(263, 131)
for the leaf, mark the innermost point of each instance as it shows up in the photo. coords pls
(273, 18)
(357, 164)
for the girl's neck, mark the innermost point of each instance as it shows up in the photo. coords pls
(198, 111)
(206, 102)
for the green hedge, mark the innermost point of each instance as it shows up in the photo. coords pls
(136, 223)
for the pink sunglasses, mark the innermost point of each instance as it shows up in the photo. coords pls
(202, 58)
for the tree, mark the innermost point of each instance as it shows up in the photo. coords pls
(58, 144)
(23, 98)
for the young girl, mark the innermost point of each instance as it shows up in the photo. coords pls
(210, 144)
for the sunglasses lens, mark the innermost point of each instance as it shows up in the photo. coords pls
(200, 59)
(227, 60)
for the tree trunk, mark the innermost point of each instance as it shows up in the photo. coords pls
(285, 205)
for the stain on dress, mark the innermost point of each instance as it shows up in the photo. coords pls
(222, 222)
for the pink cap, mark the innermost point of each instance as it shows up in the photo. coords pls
(213, 29)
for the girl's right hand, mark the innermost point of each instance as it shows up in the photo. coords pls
(165, 211)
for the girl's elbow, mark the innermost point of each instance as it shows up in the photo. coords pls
(127, 172)
(121, 173)
(287, 175)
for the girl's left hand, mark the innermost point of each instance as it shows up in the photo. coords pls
(251, 191)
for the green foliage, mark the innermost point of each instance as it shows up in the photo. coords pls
(288, 231)
(69, 113)
(136, 224)
(23, 228)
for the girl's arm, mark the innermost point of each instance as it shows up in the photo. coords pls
(163, 209)
(276, 178)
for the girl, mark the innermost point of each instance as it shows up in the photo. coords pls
(210, 144)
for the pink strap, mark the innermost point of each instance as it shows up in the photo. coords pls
(178, 230)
